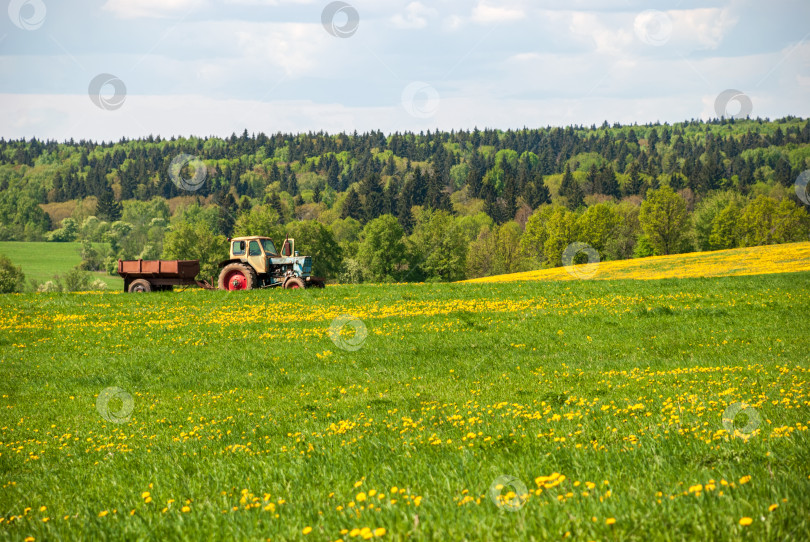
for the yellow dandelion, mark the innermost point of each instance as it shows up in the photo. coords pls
(610, 521)
(773, 507)
(379, 531)
(186, 509)
(307, 530)
(745, 480)
(746, 521)
(361, 497)
(103, 513)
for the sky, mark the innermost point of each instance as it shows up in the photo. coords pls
(107, 69)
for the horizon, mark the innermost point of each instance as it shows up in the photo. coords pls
(421, 133)
(106, 70)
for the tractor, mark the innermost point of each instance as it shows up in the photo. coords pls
(255, 263)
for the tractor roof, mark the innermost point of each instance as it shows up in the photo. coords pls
(249, 237)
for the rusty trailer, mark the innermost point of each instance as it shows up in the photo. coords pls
(159, 275)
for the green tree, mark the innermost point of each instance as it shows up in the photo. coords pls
(726, 228)
(561, 231)
(705, 213)
(107, 208)
(534, 237)
(571, 191)
(261, 220)
(316, 240)
(664, 219)
(481, 253)
(621, 245)
(438, 247)
(508, 257)
(67, 233)
(766, 221)
(598, 225)
(186, 241)
(352, 206)
(12, 278)
(382, 250)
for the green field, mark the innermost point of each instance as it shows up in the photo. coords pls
(41, 261)
(241, 416)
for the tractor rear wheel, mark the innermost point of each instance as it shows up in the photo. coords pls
(294, 282)
(139, 286)
(237, 276)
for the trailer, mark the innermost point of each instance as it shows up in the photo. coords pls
(159, 275)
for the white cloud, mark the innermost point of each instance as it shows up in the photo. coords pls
(485, 13)
(608, 39)
(133, 9)
(701, 28)
(296, 48)
(416, 16)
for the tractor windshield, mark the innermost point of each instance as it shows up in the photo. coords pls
(268, 246)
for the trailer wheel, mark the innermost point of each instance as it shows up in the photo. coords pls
(139, 286)
(236, 276)
(294, 282)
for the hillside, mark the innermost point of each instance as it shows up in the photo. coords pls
(760, 260)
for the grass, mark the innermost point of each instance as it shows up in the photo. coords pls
(41, 261)
(250, 416)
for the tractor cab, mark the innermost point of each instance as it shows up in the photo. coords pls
(256, 263)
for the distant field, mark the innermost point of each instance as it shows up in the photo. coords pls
(41, 261)
(763, 260)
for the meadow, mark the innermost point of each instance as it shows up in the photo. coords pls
(528, 410)
(41, 261)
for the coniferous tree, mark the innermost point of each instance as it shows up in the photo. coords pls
(570, 190)
(107, 208)
(275, 203)
(352, 206)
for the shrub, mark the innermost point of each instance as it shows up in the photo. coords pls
(75, 280)
(49, 287)
(12, 278)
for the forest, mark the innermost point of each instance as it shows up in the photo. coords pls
(432, 206)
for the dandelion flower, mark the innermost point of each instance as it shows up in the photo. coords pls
(307, 530)
(610, 521)
(746, 521)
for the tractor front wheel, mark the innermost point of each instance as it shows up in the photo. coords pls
(294, 282)
(236, 276)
